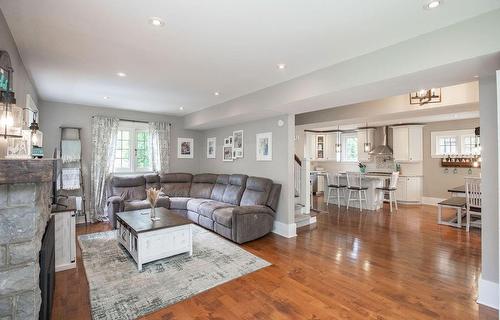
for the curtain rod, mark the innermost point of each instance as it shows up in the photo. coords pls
(138, 121)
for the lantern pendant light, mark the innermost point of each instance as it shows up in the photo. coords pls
(11, 116)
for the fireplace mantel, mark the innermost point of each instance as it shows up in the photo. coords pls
(25, 170)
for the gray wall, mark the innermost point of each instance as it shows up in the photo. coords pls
(436, 182)
(277, 170)
(22, 84)
(489, 182)
(54, 115)
(22, 80)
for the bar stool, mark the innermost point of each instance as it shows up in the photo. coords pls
(336, 187)
(354, 184)
(391, 189)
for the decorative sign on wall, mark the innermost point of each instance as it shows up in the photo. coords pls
(211, 147)
(185, 148)
(264, 146)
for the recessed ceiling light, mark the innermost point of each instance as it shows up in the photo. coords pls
(181, 108)
(433, 4)
(476, 76)
(106, 98)
(156, 22)
(216, 93)
(121, 74)
(281, 66)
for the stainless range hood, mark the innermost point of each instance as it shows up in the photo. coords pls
(383, 149)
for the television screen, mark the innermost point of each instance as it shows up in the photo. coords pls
(4, 80)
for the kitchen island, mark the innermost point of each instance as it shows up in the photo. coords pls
(374, 197)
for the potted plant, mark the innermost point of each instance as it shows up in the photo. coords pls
(362, 167)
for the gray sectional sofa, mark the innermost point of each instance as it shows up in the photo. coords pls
(236, 206)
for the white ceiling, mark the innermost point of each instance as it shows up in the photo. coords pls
(73, 49)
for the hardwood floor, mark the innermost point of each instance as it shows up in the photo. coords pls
(351, 265)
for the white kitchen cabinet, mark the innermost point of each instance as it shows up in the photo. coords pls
(365, 136)
(409, 189)
(65, 240)
(321, 146)
(407, 143)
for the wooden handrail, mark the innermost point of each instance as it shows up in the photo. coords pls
(297, 159)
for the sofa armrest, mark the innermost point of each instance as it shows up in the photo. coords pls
(251, 222)
(163, 202)
(114, 204)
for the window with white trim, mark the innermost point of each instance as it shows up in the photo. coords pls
(133, 148)
(454, 143)
(349, 147)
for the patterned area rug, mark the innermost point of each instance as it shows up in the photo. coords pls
(119, 291)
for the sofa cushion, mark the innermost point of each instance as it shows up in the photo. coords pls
(235, 189)
(256, 192)
(219, 187)
(128, 187)
(136, 205)
(176, 184)
(202, 185)
(179, 203)
(152, 181)
(207, 208)
(224, 216)
(194, 204)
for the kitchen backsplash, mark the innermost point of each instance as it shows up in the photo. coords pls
(380, 163)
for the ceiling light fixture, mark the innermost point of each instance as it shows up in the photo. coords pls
(106, 98)
(216, 93)
(156, 22)
(121, 74)
(433, 4)
(281, 66)
(181, 108)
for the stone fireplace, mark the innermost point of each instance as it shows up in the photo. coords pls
(25, 191)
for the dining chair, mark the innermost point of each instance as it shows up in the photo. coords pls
(335, 188)
(355, 184)
(473, 200)
(391, 189)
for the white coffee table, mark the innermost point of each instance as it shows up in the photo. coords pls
(148, 240)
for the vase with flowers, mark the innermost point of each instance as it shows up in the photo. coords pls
(152, 195)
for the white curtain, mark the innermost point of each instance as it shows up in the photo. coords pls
(104, 133)
(160, 145)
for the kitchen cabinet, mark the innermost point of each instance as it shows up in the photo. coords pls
(364, 136)
(409, 189)
(407, 143)
(321, 146)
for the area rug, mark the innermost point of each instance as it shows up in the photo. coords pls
(119, 291)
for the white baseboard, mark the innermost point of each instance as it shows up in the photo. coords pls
(285, 230)
(65, 266)
(431, 201)
(488, 293)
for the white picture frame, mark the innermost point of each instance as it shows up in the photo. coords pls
(185, 148)
(211, 148)
(227, 153)
(264, 146)
(238, 143)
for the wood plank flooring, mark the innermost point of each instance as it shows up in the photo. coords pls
(351, 265)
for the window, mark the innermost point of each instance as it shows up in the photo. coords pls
(349, 147)
(470, 144)
(456, 142)
(447, 145)
(133, 148)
